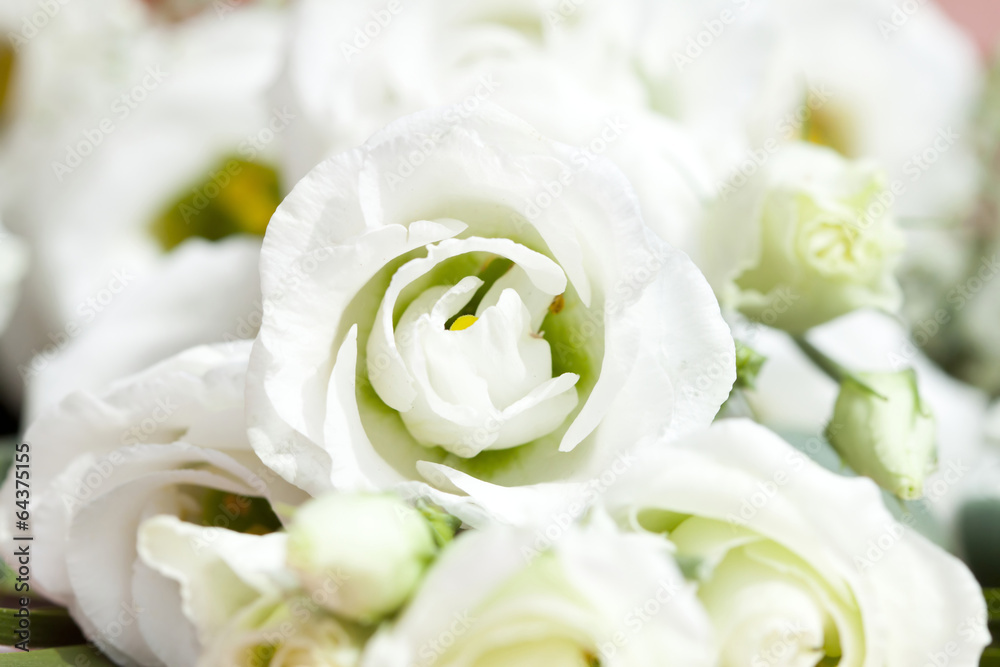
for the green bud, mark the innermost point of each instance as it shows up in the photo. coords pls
(360, 556)
(883, 430)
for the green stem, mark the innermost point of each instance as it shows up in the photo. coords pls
(68, 656)
(835, 371)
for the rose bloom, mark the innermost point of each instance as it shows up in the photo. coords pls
(795, 564)
(168, 441)
(127, 135)
(596, 596)
(809, 238)
(862, 77)
(566, 68)
(459, 311)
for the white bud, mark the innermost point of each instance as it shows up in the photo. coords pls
(360, 556)
(883, 430)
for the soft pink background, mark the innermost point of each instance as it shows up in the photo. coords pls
(981, 18)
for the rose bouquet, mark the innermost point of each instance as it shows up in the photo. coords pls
(398, 334)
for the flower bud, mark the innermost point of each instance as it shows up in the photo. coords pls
(359, 556)
(883, 430)
(808, 238)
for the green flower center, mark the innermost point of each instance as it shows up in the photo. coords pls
(222, 509)
(238, 197)
(832, 246)
(766, 602)
(572, 331)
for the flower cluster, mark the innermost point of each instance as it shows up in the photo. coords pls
(436, 334)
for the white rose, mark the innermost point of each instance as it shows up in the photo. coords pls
(748, 76)
(718, 80)
(918, 128)
(808, 239)
(797, 564)
(137, 321)
(598, 336)
(202, 580)
(117, 116)
(565, 67)
(375, 548)
(239, 597)
(284, 632)
(170, 440)
(595, 597)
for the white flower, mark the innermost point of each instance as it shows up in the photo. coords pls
(797, 399)
(202, 580)
(917, 128)
(808, 239)
(170, 440)
(137, 321)
(598, 336)
(236, 593)
(869, 78)
(565, 67)
(274, 632)
(883, 429)
(596, 597)
(375, 548)
(117, 115)
(796, 563)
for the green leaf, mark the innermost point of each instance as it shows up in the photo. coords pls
(56, 657)
(49, 627)
(835, 371)
(991, 658)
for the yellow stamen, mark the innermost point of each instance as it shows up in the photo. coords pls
(464, 322)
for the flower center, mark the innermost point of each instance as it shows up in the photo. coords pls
(222, 509)
(833, 246)
(830, 126)
(238, 197)
(463, 323)
(768, 605)
(473, 381)
(551, 652)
